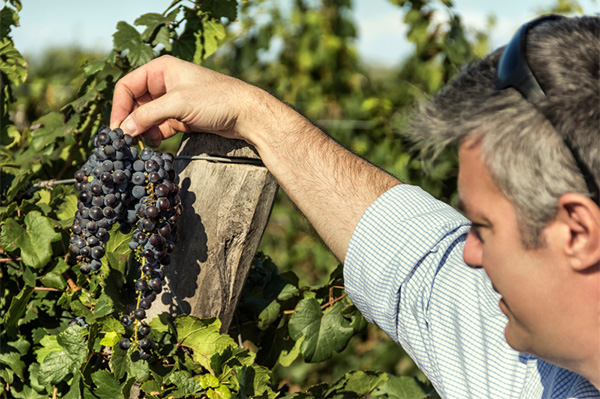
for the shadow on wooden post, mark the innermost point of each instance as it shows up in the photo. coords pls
(226, 207)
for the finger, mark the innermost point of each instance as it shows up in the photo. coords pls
(146, 81)
(152, 113)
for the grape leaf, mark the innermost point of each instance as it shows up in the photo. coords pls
(220, 8)
(49, 344)
(127, 38)
(401, 388)
(17, 309)
(34, 241)
(203, 337)
(57, 365)
(53, 128)
(107, 387)
(8, 18)
(325, 332)
(186, 385)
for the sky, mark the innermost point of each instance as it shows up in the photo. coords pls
(90, 24)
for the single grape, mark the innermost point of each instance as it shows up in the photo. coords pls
(124, 344)
(126, 320)
(145, 343)
(139, 314)
(144, 329)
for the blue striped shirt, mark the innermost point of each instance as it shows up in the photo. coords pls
(404, 270)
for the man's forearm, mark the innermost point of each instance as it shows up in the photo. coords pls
(330, 185)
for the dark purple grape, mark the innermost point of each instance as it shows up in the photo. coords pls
(155, 284)
(79, 175)
(126, 320)
(119, 176)
(109, 150)
(161, 190)
(153, 177)
(85, 197)
(164, 229)
(139, 314)
(152, 211)
(110, 200)
(139, 165)
(145, 343)
(145, 303)
(144, 329)
(141, 285)
(125, 344)
(96, 213)
(146, 154)
(108, 212)
(95, 265)
(97, 252)
(138, 191)
(147, 224)
(145, 355)
(151, 166)
(163, 203)
(85, 268)
(102, 138)
(138, 178)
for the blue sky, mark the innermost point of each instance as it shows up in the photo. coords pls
(90, 24)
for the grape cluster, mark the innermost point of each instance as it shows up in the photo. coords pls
(104, 191)
(155, 216)
(115, 185)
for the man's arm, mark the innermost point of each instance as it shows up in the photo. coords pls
(329, 184)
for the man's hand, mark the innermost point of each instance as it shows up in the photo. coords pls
(169, 95)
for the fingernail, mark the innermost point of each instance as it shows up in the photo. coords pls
(128, 126)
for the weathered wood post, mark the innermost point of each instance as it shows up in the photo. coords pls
(227, 200)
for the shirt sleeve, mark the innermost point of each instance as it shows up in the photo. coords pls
(405, 272)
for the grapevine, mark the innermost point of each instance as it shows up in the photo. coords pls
(136, 189)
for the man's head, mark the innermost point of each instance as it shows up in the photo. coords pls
(526, 157)
(535, 230)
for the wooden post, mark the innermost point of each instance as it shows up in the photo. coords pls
(226, 207)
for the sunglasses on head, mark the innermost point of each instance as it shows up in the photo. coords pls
(514, 71)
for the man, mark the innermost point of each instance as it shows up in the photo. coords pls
(524, 320)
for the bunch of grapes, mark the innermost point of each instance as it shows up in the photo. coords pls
(156, 215)
(138, 192)
(103, 184)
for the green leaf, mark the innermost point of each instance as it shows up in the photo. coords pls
(34, 241)
(269, 315)
(213, 31)
(117, 249)
(57, 365)
(127, 38)
(119, 361)
(401, 388)
(152, 388)
(55, 368)
(49, 344)
(203, 337)
(53, 128)
(286, 357)
(12, 63)
(110, 339)
(220, 8)
(107, 387)
(54, 278)
(8, 18)
(17, 309)
(325, 333)
(67, 209)
(186, 385)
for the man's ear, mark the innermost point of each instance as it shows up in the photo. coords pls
(581, 217)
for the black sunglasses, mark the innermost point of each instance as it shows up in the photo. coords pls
(513, 71)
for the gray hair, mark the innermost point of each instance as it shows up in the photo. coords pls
(527, 159)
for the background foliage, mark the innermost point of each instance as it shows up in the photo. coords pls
(301, 336)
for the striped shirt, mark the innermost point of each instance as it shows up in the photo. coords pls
(404, 270)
